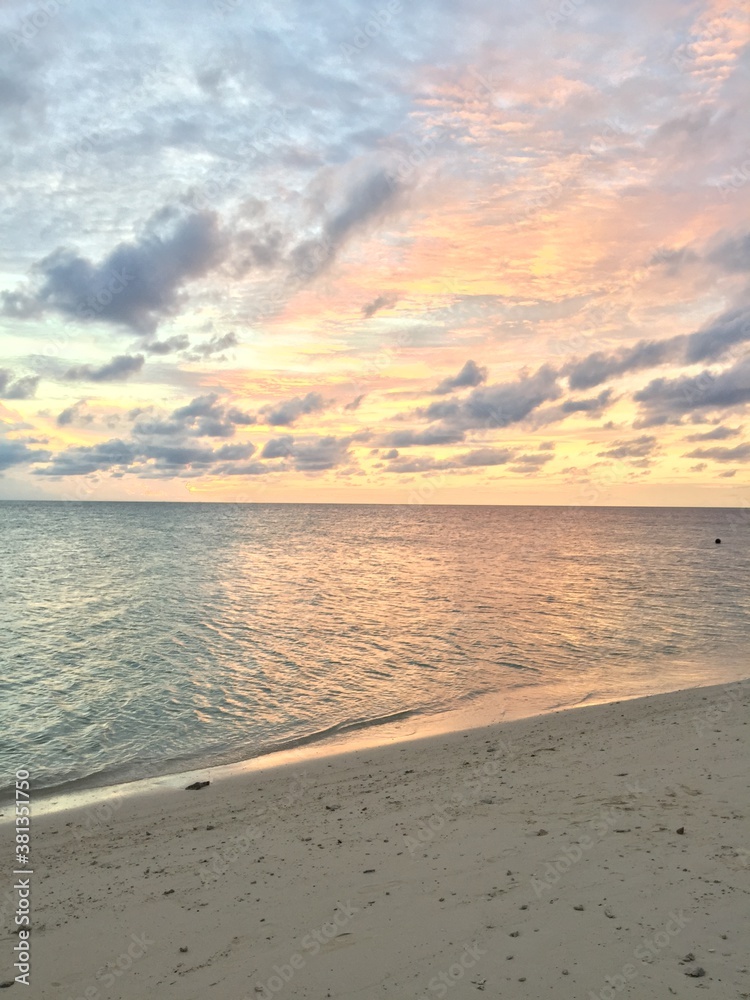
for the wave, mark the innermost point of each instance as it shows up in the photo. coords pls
(195, 761)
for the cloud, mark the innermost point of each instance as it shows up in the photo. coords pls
(435, 435)
(169, 346)
(145, 458)
(497, 405)
(282, 447)
(16, 453)
(470, 375)
(17, 388)
(116, 370)
(599, 367)
(215, 345)
(741, 453)
(484, 457)
(707, 344)
(486, 407)
(137, 285)
(640, 447)
(595, 404)
(73, 413)
(309, 454)
(480, 458)
(381, 302)
(204, 416)
(733, 254)
(284, 414)
(350, 201)
(355, 403)
(325, 453)
(529, 465)
(716, 434)
(81, 461)
(666, 400)
(367, 198)
(718, 336)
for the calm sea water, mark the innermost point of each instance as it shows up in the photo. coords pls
(144, 638)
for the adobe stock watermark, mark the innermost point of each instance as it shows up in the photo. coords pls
(240, 843)
(226, 179)
(564, 11)
(557, 189)
(76, 150)
(372, 27)
(311, 944)
(572, 853)
(98, 817)
(36, 21)
(440, 985)
(108, 974)
(475, 782)
(111, 285)
(645, 952)
(223, 7)
(221, 859)
(730, 698)
(404, 168)
(736, 179)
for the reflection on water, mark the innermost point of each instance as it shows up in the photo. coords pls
(145, 637)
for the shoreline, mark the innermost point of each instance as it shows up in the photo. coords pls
(403, 727)
(464, 855)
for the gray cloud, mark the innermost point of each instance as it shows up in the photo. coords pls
(471, 375)
(81, 461)
(595, 404)
(719, 433)
(640, 447)
(116, 370)
(309, 454)
(381, 302)
(73, 413)
(143, 458)
(281, 447)
(599, 367)
(529, 465)
(741, 453)
(215, 345)
(17, 388)
(733, 254)
(169, 346)
(717, 337)
(480, 458)
(137, 285)
(485, 456)
(286, 413)
(435, 435)
(204, 416)
(486, 407)
(355, 403)
(367, 199)
(708, 344)
(16, 453)
(666, 400)
(497, 405)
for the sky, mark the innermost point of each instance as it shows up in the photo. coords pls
(389, 252)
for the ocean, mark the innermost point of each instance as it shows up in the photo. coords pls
(140, 639)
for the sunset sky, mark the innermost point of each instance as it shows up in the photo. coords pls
(488, 252)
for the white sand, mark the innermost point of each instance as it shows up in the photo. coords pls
(385, 868)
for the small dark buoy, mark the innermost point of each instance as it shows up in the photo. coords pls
(718, 541)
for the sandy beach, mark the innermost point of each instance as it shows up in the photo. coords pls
(596, 852)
